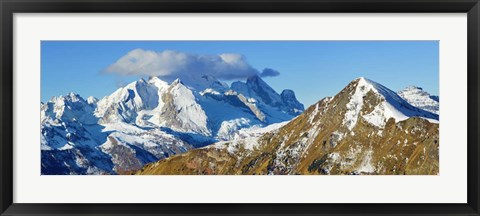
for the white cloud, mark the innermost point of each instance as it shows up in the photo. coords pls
(170, 65)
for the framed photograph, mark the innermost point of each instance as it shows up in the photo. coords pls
(237, 107)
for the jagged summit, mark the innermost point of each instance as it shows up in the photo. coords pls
(71, 107)
(92, 100)
(258, 90)
(72, 95)
(420, 98)
(69, 96)
(67, 99)
(263, 90)
(151, 119)
(177, 81)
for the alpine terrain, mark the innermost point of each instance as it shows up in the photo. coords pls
(420, 98)
(365, 129)
(150, 120)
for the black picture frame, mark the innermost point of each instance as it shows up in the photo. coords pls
(9, 7)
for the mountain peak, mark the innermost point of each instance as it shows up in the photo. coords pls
(255, 79)
(412, 87)
(71, 107)
(140, 83)
(382, 105)
(71, 97)
(208, 81)
(209, 77)
(363, 84)
(289, 99)
(420, 98)
(263, 90)
(177, 81)
(288, 93)
(71, 94)
(364, 129)
(157, 82)
(92, 100)
(360, 79)
(413, 90)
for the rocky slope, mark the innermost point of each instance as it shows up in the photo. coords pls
(149, 120)
(364, 129)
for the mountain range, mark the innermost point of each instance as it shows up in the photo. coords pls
(205, 126)
(365, 129)
(149, 120)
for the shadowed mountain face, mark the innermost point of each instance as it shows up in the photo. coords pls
(149, 120)
(364, 129)
(255, 87)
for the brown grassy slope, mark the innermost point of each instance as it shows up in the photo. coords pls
(317, 142)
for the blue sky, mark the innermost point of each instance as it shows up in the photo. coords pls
(313, 69)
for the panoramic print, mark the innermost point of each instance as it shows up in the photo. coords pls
(239, 108)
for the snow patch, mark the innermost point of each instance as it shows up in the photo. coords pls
(66, 147)
(366, 165)
(354, 106)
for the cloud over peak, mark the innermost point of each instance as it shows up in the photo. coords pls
(268, 72)
(170, 65)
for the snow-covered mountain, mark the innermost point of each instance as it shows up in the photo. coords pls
(148, 120)
(365, 129)
(387, 105)
(420, 98)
